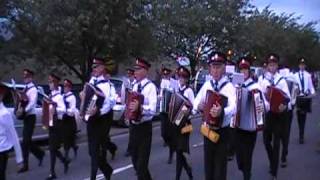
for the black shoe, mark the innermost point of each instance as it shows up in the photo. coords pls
(170, 159)
(66, 165)
(127, 154)
(41, 159)
(23, 169)
(284, 164)
(51, 176)
(108, 176)
(75, 151)
(230, 158)
(301, 141)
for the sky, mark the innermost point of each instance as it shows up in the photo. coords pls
(308, 9)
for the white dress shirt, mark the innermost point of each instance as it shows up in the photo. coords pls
(106, 88)
(8, 134)
(149, 92)
(228, 90)
(57, 98)
(187, 92)
(307, 81)
(32, 94)
(70, 102)
(278, 83)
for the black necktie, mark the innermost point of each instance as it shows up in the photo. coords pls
(139, 88)
(302, 81)
(216, 86)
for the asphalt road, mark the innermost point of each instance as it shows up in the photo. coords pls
(303, 160)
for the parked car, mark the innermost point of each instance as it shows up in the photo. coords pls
(39, 132)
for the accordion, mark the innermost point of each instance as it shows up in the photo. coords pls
(276, 97)
(20, 100)
(250, 110)
(165, 100)
(49, 115)
(134, 116)
(89, 101)
(179, 109)
(214, 98)
(304, 103)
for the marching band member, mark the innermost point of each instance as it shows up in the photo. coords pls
(29, 122)
(215, 153)
(8, 136)
(275, 122)
(55, 129)
(98, 121)
(69, 120)
(181, 140)
(141, 132)
(306, 89)
(263, 75)
(246, 134)
(166, 127)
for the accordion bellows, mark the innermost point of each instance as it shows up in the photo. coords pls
(276, 97)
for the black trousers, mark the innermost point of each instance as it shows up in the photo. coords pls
(111, 147)
(27, 144)
(141, 137)
(286, 137)
(246, 141)
(97, 134)
(3, 164)
(231, 142)
(69, 128)
(215, 156)
(301, 116)
(167, 131)
(273, 132)
(55, 142)
(182, 163)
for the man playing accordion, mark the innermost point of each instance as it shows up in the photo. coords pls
(276, 89)
(29, 121)
(304, 99)
(249, 118)
(215, 149)
(99, 113)
(141, 122)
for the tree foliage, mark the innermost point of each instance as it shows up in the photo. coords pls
(70, 33)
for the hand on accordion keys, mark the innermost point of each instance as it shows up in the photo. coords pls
(282, 107)
(215, 111)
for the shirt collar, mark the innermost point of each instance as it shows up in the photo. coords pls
(143, 81)
(54, 92)
(249, 80)
(221, 80)
(30, 84)
(68, 93)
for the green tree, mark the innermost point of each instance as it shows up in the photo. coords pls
(73, 32)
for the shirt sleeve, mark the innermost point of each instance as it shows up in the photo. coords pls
(151, 107)
(72, 104)
(230, 109)
(200, 97)
(113, 95)
(310, 85)
(33, 96)
(13, 138)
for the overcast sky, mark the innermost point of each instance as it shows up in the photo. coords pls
(308, 9)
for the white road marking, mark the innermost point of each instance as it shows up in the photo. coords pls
(197, 145)
(116, 171)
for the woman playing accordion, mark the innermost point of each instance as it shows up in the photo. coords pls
(182, 126)
(249, 118)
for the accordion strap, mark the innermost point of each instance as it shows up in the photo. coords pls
(278, 81)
